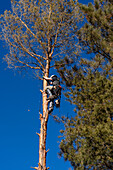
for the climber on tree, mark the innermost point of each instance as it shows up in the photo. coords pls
(54, 91)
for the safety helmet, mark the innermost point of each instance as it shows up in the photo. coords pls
(53, 76)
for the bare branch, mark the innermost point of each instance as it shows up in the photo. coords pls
(26, 50)
(26, 64)
(33, 34)
(34, 53)
(39, 77)
(37, 168)
(59, 53)
(56, 38)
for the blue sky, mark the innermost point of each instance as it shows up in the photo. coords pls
(19, 119)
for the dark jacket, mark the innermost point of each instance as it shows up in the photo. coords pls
(55, 81)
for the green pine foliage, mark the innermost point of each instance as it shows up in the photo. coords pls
(88, 137)
(97, 33)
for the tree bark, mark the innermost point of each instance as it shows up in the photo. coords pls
(44, 120)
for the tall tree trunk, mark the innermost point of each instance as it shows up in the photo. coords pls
(44, 120)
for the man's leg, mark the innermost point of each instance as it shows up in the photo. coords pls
(51, 105)
(49, 92)
(50, 98)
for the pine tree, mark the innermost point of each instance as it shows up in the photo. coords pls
(88, 137)
(37, 34)
(97, 33)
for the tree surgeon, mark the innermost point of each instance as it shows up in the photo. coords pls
(54, 91)
(38, 34)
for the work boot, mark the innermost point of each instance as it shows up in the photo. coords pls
(50, 110)
(57, 102)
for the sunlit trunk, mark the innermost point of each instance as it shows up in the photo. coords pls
(44, 120)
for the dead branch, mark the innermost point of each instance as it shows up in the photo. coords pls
(26, 50)
(47, 151)
(38, 134)
(33, 34)
(34, 53)
(35, 168)
(56, 38)
(26, 64)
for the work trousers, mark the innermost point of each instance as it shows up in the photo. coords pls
(49, 92)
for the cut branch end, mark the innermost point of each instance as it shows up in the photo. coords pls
(41, 91)
(35, 168)
(38, 134)
(47, 151)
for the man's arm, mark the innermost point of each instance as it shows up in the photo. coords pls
(47, 78)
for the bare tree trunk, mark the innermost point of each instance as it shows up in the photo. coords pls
(44, 120)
